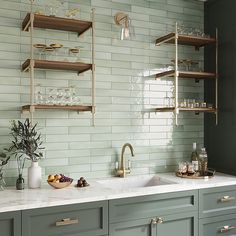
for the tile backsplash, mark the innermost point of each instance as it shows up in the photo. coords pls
(126, 92)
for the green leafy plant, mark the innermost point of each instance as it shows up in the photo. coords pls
(26, 143)
(4, 158)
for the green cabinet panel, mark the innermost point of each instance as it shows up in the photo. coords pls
(141, 227)
(217, 201)
(220, 225)
(151, 206)
(87, 219)
(183, 224)
(10, 223)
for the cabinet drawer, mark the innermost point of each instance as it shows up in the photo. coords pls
(216, 226)
(79, 219)
(217, 201)
(154, 205)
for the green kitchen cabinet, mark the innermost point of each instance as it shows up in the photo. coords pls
(155, 215)
(10, 223)
(217, 211)
(85, 219)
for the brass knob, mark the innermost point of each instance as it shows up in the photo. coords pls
(154, 221)
(160, 220)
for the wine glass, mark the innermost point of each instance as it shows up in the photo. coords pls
(40, 49)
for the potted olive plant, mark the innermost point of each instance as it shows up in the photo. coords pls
(27, 144)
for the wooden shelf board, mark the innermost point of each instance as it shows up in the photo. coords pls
(187, 74)
(186, 40)
(57, 65)
(181, 109)
(58, 107)
(56, 23)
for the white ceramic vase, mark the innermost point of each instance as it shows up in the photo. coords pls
(34, 175)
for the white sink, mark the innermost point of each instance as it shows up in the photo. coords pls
(134, 182)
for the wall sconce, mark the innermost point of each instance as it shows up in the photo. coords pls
(123, 20)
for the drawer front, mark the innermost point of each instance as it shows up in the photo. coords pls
(217, 226)
(78, 219)
(151, 206)
(10, 223)
(217, 201)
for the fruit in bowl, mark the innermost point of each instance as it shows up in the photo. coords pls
(59, 181)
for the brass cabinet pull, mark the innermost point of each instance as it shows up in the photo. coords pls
(226, 228)
(160, 220)
(153, 221)
(227, 199)
(67, 221)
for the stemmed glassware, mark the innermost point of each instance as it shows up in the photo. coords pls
(74, 53)
(38, 95)
(40, 49)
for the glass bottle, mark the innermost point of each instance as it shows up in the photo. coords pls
(20, 183)
(194, 158)
(203, 161)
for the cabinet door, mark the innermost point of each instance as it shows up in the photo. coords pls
(184, 224)
(10, 224)
(143, 227)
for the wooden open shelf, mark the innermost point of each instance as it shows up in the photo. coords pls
(56, 23)
(182, 109)
(187, 74)
(57, 65)
(195, 41)
(57, 107)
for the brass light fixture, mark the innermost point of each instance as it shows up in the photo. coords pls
(123, 20)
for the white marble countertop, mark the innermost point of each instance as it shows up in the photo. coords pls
(12, 199)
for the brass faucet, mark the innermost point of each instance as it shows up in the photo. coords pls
(122, 171)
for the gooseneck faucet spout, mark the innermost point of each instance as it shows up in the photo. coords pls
(123, 170)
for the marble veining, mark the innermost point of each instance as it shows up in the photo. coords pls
(12, 200)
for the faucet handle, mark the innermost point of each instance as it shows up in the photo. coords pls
(116, 165)
(129, 164)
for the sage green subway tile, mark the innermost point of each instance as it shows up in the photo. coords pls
(10, 5)
(81, 2)
(103, 26)
(79, 160)
(67, 123)
(110, 63)
(101, 3)
(54, 162)
(103, 11)
(103, 70)
(124, 95)
(92, 144)
(67, 138)
(100, 166)
(56, 146)
(103, 56)
(6, 13)
(148, 11)
(10, 31)
(89, 130)
(67, 169)
(102, 40)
